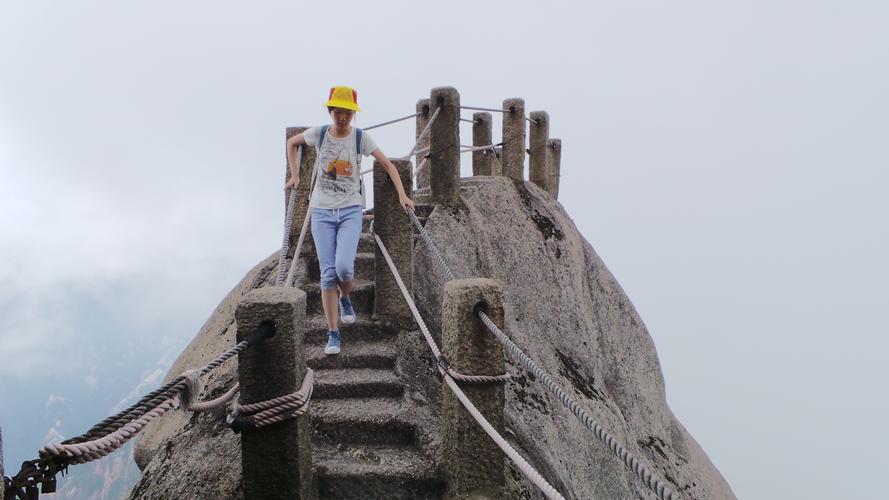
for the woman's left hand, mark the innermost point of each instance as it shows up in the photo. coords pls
(406, 203)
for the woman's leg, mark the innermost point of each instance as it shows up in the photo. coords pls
(347, 246)
(324, 233)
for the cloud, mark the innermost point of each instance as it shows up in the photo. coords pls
(54, 399)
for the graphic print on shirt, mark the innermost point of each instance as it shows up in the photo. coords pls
(337, 169)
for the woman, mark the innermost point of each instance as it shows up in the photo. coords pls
(337, 202)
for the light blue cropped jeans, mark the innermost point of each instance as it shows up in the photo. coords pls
(336, 232)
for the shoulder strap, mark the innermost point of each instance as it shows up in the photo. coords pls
(321, 137)
(358, 140)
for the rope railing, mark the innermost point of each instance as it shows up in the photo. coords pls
(449, 377)
(272, 411)
(639, 468)
(390, 122)
(114, 431)
(494, 110)
(288, 221)
(422, 134)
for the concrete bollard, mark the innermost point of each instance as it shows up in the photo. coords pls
(555, 166)
(424, 108)
(482, 161)
(473, 463)
(514, 139)
(538, 167)
(302, 190)
(394, 228)
(276, 460)
(444, 160)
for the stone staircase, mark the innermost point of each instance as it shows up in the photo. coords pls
(364, 443)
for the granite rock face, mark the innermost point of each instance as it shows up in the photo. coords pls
(561, 305)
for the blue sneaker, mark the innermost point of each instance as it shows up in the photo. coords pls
(333, 343)
(347, 312)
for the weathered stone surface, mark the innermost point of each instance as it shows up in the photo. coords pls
(199, 446)
(472, 462)
(444, 152)
(514, 139)
(561, 305)
(276, 460)
(482, 161)
(393, 226)
(571, 316)
(302, 190)
(424, 108)
(538, 166)
(555, 166)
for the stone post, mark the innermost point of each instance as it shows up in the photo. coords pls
(444, 160)
(514, 139)
(473, 464)
(394, 228)
(482, 136)
(302, 190)
(276, 460)
(424, 108)
(538, 167)
(555, 166)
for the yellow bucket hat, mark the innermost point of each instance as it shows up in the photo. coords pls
(343, 97)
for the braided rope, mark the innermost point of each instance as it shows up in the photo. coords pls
(288, 221)
(302, 235)
(460, 377)
(390, 122)
(635, 465)
(278, 409)
(151, 400)
(80, 453)
(422, 135)
(510, 452)
(215, 403)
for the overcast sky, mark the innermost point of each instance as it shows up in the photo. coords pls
(728, 160)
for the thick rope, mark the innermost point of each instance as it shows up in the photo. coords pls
(288, 221)
(278, 409)
(510, 452)
(637, 466)
(420, 167)
(495, 110)
(80, 453)
(390, 122)
(302, 234)
(215, 403)
(459, 377)
(423, 133)
(151, 400)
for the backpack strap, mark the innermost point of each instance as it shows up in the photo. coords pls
(358, 141)
(321, 137)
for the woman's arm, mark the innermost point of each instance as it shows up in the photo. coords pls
(403, 199)
(292, 144)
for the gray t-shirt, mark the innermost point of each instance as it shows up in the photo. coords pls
(338, 182)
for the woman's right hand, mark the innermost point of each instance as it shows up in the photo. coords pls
(291, 184)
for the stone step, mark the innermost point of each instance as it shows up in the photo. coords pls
(364, 266)
(362, 296)
(363, 330)
(355, 353)
(362, 472)
(357, 383)
(366, 219)
(361, 421)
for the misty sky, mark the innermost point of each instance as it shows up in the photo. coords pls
(728, 160)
